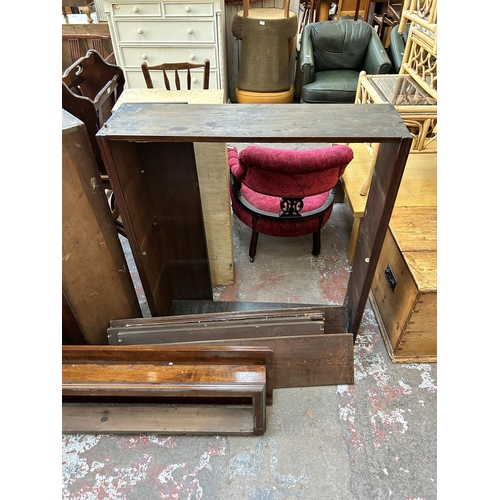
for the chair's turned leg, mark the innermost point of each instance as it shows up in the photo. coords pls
(254, 239)
(317, 237)
(316, 242)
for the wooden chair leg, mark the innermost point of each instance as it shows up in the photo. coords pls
(316, 242)
(254, 239)
(317, 237)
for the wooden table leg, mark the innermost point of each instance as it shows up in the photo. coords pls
(353, 241)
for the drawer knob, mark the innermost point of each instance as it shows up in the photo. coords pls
(144, 56)
(190, 31)
(195, 80)
(192, 57)
(188, 8)
(136, 9)
(140, 31)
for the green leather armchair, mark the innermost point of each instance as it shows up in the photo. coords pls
(397, 44)
(332, 54)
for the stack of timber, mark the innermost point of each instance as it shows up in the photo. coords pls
(311, 347)
(166, 389)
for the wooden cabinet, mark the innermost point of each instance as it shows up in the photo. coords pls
(173, 31)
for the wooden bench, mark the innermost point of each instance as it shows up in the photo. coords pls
(208, 381)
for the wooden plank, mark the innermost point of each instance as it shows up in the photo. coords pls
(156, 201)
(158, 419)
(389, 169)
(335, 316)
(210, 330)
(190, 373)
(87, 378)
(213, 174)
(254, 123)
(95, 284)
(306, 360)
(178, 355)
(313, 360)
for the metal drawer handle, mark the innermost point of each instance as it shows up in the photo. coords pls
(389, 276)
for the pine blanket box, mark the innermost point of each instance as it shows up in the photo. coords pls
(404, 289)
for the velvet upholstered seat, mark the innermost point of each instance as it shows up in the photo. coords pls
(282, 192)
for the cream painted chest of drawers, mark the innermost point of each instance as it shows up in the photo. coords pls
(168, 31)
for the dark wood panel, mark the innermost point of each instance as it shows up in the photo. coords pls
(387, 176)
(96, 283)
(276, 327)
(255, 123)
(314, 360)
(335, 316)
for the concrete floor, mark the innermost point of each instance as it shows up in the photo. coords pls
(373, 440)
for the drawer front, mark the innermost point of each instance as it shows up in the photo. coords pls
(135, 80)
(138, 10)
(188, 9)
(158, 31)
(135, 56)
(395, 306)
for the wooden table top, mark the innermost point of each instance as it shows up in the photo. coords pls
(283, 123)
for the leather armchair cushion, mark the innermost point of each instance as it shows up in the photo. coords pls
(397, 46)
(332, 86)
(340, 45)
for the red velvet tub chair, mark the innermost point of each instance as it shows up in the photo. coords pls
(282, 192)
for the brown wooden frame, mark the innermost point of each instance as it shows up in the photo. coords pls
(137, 133)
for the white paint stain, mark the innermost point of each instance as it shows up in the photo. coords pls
(425, 372)
(250, 464)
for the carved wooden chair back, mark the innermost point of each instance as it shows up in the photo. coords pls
(176, 67)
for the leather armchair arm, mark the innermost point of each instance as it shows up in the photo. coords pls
(377, 62)
(306, 56)
(397, 47)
